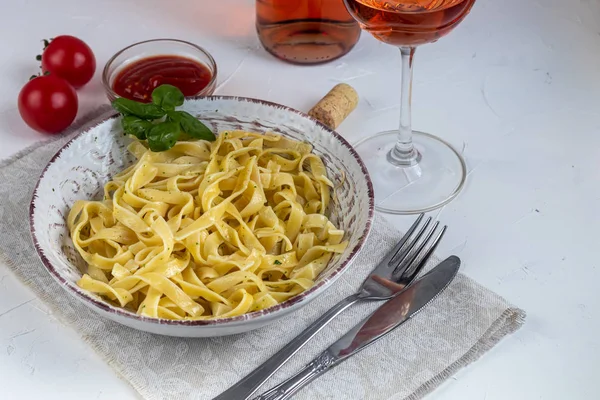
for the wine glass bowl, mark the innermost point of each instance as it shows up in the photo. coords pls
(409, 22)
(412, 172)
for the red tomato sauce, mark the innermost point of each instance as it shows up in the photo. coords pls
(138, 80)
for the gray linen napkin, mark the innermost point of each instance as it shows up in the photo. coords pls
(455, 330)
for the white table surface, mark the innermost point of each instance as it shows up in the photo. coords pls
(516, 86)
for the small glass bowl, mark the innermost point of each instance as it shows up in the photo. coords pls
(157, 47)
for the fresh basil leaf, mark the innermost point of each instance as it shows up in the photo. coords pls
(163, 136)
(167, 96)
(174, 116)
(141, 110)
(135, 126)
(191, 125)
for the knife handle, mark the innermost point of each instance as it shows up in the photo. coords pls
(246, 387)
(286, 389)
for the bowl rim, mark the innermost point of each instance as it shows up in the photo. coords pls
(288, 304)
(212, 64)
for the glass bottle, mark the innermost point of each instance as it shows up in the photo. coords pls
(306, 31)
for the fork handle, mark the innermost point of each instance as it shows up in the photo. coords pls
(243, 389)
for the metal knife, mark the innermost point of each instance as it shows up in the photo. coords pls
(382, 321)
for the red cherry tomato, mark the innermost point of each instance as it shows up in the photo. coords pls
(71, 59)
(48, 104)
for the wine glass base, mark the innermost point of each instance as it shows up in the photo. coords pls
(436, 179)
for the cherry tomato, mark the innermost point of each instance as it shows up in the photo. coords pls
(70, 58)
(48, 104)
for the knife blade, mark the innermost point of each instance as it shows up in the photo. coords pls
(382, 321)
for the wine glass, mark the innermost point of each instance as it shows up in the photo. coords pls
(412, 171)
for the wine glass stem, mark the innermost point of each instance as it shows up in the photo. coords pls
(404, 153)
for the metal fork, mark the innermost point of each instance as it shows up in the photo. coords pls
(396, 271)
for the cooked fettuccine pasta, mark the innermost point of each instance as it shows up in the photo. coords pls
(209, 229)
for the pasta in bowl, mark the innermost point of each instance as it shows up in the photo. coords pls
(207, 238)
(209, 229)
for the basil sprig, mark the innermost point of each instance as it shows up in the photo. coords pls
(158, 122)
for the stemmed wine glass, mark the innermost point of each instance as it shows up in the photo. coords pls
(412, 171)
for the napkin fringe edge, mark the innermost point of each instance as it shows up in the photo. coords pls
(511, 320)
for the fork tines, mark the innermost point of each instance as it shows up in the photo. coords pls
(414, 250)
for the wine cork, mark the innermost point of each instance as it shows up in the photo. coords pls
(332, 109)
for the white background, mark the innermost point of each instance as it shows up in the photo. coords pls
(516, 87)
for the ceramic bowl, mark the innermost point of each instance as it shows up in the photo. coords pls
(82, 167)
